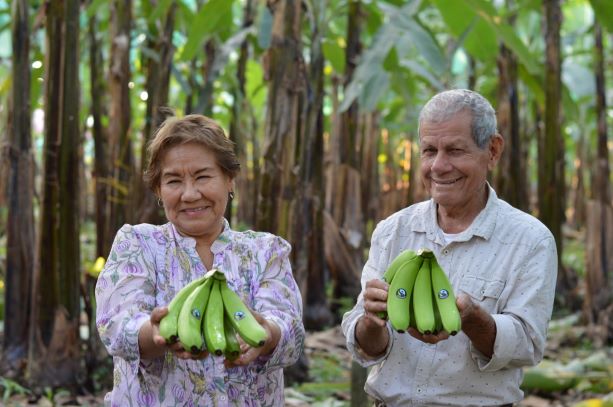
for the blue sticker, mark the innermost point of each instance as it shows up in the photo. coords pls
(442, 294)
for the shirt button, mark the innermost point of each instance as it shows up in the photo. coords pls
(222, 398)
(446, 251)
(419, 390)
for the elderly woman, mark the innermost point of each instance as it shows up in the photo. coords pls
(192, 169)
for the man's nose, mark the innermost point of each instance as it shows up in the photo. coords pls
(440, 162)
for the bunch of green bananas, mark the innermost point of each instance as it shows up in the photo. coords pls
(207, 314)
(420, 295)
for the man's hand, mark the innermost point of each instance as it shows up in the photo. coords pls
(430, 338)
(477, 324)
(371, 331)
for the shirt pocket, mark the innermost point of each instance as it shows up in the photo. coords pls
(485, 291)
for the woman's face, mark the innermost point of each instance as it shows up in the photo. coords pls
(194, 191)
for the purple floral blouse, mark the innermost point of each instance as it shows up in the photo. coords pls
(147, 266)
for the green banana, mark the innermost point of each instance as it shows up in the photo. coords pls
(404, 256)
(233, 347)
(242, 319)
(399, 293)
(392, 269)
(191, 315)
(169, 323)
(445, 300)
(422, 299)
(213, 324)
(217, 275)
(438, 323)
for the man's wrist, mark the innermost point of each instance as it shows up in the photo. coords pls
(375, 337)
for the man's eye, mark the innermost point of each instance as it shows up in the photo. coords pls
(203, 177)
(172, 181)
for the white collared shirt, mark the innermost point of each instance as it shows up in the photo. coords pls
(507, 262)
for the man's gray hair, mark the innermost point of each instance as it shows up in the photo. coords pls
(443, 106)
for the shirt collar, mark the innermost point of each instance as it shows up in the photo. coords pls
(188, 242)
(483, 225)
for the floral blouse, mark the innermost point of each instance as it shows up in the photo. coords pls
(147, 266)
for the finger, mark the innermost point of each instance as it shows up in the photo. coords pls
(375, 294)
(374, 307)
(258, 317)
(159, 340)
(371, 318)
(465, 305)
(377, 284)
(463, 301)
(247, 357)
(157, 314)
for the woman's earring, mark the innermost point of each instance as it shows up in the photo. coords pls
(160, 204)
(231, 195)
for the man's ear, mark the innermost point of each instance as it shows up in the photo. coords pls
(496, 146)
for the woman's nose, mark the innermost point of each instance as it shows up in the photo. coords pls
(190, 193)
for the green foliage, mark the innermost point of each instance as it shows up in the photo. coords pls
(603, 9)
(212, 17)
(329, 376)
(10, 388)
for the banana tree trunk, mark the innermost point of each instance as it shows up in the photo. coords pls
(55, 349)
(602, 186)
(20, 222)
(510, 179)
(551, 155)
(283, 70)
(158, 81)
(309, 261)
(98, 92)
(246, 188)
(599, 240)
(344, 194)
(122, 156)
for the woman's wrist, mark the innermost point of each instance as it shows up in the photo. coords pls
(274, 335)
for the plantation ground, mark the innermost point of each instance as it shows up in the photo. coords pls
(330, 367)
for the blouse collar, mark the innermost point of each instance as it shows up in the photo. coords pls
(187, 242)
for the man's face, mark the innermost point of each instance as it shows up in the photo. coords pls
(453, 167)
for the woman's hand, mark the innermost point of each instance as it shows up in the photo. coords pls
(158, 344)
(248, 353)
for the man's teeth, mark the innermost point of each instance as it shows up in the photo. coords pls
(446, 182)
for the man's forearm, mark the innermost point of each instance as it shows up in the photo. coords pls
(371, 338)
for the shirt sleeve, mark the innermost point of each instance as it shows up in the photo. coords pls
(125, 296)
(350, 319)
(521, 327)
(279, 300)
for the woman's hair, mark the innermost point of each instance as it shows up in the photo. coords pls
(447, 104)
(193, 128)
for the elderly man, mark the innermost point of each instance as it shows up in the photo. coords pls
(501, 262)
